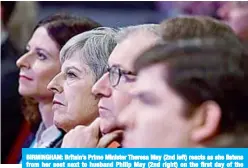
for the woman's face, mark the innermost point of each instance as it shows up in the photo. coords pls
(73, 104)
(38, 65)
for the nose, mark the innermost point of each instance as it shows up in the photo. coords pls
(23, 61)
(56, 84)
(102, 87)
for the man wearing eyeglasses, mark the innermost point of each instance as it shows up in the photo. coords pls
(114, 86)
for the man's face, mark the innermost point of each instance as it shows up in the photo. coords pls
(154, 118)
(236, 16)
(115, 99)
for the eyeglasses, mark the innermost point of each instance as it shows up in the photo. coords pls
(116, 74)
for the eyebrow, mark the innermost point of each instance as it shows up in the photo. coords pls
(41, 49)
(129, 72)
(118, 65)
(72, 67)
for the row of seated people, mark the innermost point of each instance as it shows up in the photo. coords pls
(85, 85)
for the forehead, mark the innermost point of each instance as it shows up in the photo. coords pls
(158, 83)
(74, 60)
(130, 48)
(42, 40)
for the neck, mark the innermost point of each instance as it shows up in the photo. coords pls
(45, 108)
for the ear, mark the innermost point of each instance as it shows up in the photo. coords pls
(209, 115)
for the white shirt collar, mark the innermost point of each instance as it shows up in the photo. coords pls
(45, 136)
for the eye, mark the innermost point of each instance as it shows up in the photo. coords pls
(146, 99)
(129, 78)
(41, 56)
(70, 74)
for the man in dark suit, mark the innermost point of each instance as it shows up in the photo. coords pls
(11, 116)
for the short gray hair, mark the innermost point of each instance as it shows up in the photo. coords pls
(94, 46)
(126, 31)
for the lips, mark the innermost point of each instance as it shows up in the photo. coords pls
(25, 77)
(104, 112)
(58, 102)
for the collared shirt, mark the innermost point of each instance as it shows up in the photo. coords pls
(46, 136)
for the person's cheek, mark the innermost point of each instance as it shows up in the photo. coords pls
(239, 20)
(122, 101)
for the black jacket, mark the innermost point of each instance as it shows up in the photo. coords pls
(11, 116)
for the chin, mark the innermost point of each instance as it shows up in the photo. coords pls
(104, 130)
(59, 124)
(63, 123)
(106, 126)
(25, 92)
